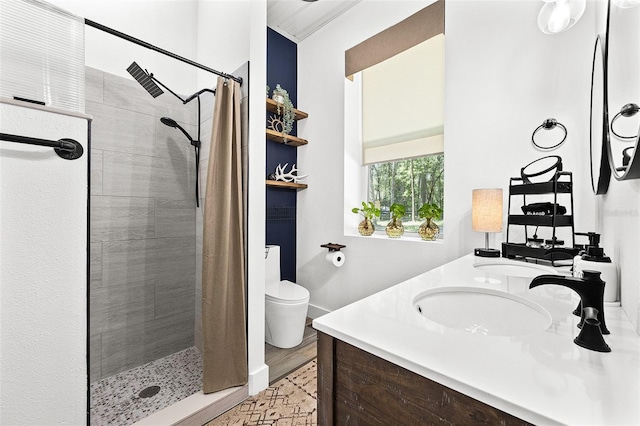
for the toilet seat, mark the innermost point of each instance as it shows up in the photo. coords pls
(286, 292)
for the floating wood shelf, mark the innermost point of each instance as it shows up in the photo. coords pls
(272, 106)
(286, 185)
(272, 135)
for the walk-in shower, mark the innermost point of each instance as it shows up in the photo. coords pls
(144, 250)
(146, 239)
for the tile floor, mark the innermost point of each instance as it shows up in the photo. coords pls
(115, 400)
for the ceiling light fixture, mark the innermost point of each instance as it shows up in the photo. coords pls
(557, 16)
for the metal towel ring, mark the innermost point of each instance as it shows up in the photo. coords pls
(629, 110)
(548, 124)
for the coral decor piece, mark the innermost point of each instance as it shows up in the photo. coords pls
(275, 124)
(292, 176)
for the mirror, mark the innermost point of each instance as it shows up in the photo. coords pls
(543, 169)
(623, 88)
(599, 122)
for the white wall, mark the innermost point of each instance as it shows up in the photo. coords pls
(43, 281)
(258, 370)
(503, 78)
(170, 25)
(224, 35)
(214, 33)
(619, 223)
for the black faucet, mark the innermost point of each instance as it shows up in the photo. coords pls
(590, 336)
(590, 288)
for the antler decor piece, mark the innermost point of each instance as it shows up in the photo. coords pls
(292, 176)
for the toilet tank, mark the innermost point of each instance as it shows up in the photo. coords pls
(272, 266)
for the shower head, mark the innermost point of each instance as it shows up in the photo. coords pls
(169, 122)
(145, 79)
(173, 123)
(152, 84)
(196, 144)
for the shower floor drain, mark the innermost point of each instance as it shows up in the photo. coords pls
(149, 392)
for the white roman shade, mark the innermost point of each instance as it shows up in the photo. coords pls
(402, 71)
(403, 104)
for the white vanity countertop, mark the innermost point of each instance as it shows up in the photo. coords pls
(543, 378)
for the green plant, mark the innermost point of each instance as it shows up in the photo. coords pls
(368, 210)
(397, 210)
(284, 108)
(430, 211)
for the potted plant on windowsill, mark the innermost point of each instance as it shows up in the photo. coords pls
(369, 211)
(285, 109)
(394, 228)
(428, 229)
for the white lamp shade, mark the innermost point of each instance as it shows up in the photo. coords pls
(560, 15)
(486, 210)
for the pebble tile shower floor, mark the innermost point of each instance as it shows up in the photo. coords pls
(115, 400)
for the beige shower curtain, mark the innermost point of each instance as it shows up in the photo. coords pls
(223, 273)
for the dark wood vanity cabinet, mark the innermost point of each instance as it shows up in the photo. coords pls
(358, 388)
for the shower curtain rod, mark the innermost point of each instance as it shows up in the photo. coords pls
(159, 50)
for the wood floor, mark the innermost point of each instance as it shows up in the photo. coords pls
(283, 361)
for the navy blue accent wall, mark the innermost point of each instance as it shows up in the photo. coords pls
(282, 68)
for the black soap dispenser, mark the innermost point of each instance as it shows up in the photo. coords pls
(595, 259)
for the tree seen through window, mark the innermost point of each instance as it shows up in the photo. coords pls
(410, 182)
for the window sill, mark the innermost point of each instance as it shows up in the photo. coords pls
(408, 238)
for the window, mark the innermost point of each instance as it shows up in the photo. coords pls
(403, 131)
(394, 118)
(412, 183)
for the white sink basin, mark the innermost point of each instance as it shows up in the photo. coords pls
(482, 311)
(514, 269)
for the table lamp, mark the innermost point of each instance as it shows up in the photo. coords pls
(486, 216)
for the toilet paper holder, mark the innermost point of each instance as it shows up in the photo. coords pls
(333, 246)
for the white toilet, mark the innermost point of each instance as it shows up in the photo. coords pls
(286, 305)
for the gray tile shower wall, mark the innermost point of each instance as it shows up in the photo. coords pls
(143, 225)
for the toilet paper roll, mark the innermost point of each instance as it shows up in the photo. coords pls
(336, 258)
